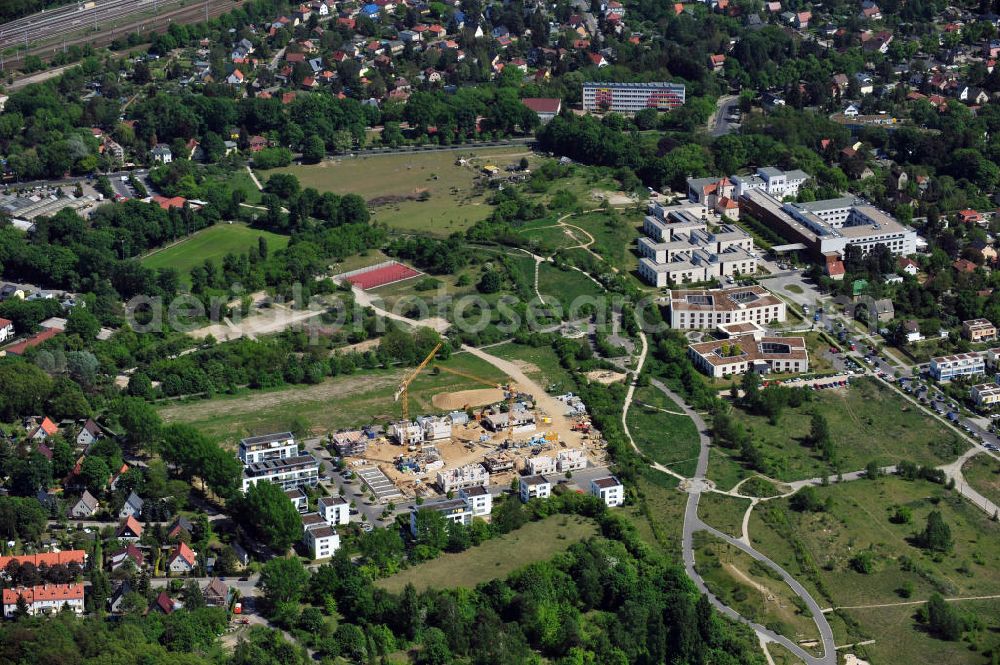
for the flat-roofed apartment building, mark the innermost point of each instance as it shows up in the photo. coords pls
(679, 247)
(631, 98)
(286, 473)
(946, 368)
(716, 192)
(828, 227)
(704, 309)
(979, 330)
(985, 394)
(267, 447)
(737, 355)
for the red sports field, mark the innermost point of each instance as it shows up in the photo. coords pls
(382, 275)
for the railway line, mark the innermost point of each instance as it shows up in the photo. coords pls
(97, 22)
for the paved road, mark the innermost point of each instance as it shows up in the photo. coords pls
(693, 524)
(248, 588)
(718, 123)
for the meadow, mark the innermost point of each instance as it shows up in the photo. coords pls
(394, 184)
(495, 558)
(212, 244)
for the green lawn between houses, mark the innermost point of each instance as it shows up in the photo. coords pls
(495, 558)
(211, 243)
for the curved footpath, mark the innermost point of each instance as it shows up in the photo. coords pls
(693, 524)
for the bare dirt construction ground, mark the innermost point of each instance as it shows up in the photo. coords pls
(465, 398)
(613, 198)
(606, 377)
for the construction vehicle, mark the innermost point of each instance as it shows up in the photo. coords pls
(404, 388)
(509, 390)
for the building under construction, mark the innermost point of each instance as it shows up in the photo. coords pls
(352, 443)
(472, 475)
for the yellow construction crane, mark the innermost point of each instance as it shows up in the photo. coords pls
(404, 388)
(510, 389)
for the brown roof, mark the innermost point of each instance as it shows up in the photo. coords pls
(606, 482)
(700, 300)
(543, 104)
(750, 349)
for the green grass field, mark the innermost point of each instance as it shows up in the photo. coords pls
(392, 183)
(752, 589)
(338, 402)
(539, 363)
(570, 288)
(723, 512)
(725, 470)
(983, 474)
(868, 422)
(670, 439)
(496, 558)
(614, 235)
(211, 243)
(817, 549)
(660, 515)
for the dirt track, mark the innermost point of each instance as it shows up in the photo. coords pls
(463, 398)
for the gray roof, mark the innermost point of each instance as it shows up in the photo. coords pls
(88, 500)
(135, 501)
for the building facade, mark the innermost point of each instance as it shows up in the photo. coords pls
(986, 395)
(44, 599)
(631, 98)
(979, 330)
(287, 473)
(268, 447)
(746, 353)
(609, 490)
(479, 500)
(679, 247)
(707, 309)
(946, 368)
(534, 487)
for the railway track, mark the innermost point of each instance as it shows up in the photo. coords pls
(46, 33)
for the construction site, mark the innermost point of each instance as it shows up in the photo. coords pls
(483, 436)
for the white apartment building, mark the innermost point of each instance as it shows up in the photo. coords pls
(705, 309)
(334, 510)
(534, 487)
(471, 475)
(298, 499)
(44, 599)
(453, 510)
(609, 490)
(747, 353)
(321, 539)
(629, 98)
(268, 447)
(680, 247)
(769, 179)
(286, 473)
(478, 499)
(435, 428)
(946, 368)
(986, 394)
(406, 432)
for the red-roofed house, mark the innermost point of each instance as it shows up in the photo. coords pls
(964, 265)
(33, 341)
(171, 202)
(129, 530)
(716, 61)
(182, 559)
(909, 266)
(678, 9)
(128, 553)
(163, 603)
(257, 143)
(835, 268)
(6, 330)
(46, 559)
(546, 107)
(44, 431)
(45, 599)
(597, 59)
(968, 216)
